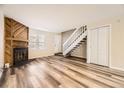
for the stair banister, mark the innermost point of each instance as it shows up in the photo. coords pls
(75, 38)
(73, 35)
(70, 37)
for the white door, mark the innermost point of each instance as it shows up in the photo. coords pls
(93, 46)
(103, 46)
(99, 46)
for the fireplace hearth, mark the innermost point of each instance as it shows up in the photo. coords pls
(20, 56)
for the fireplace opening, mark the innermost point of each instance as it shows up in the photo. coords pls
(20, 56)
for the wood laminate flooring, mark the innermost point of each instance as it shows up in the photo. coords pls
(60, 72)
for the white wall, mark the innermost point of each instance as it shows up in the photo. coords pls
(117, 40)
(57, 41)
(51, 45)
(80, 51)
(1, 38)
(66, 34)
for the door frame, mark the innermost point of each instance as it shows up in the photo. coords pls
(109, 45)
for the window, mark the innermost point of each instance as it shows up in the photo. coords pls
(37, 40)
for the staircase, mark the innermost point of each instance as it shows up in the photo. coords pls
(77, 37)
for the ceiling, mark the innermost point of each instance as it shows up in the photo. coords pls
(59, 18)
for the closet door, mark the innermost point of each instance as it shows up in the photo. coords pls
(93, 46)
(103, 46)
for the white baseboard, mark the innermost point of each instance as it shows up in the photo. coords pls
(117, 68)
